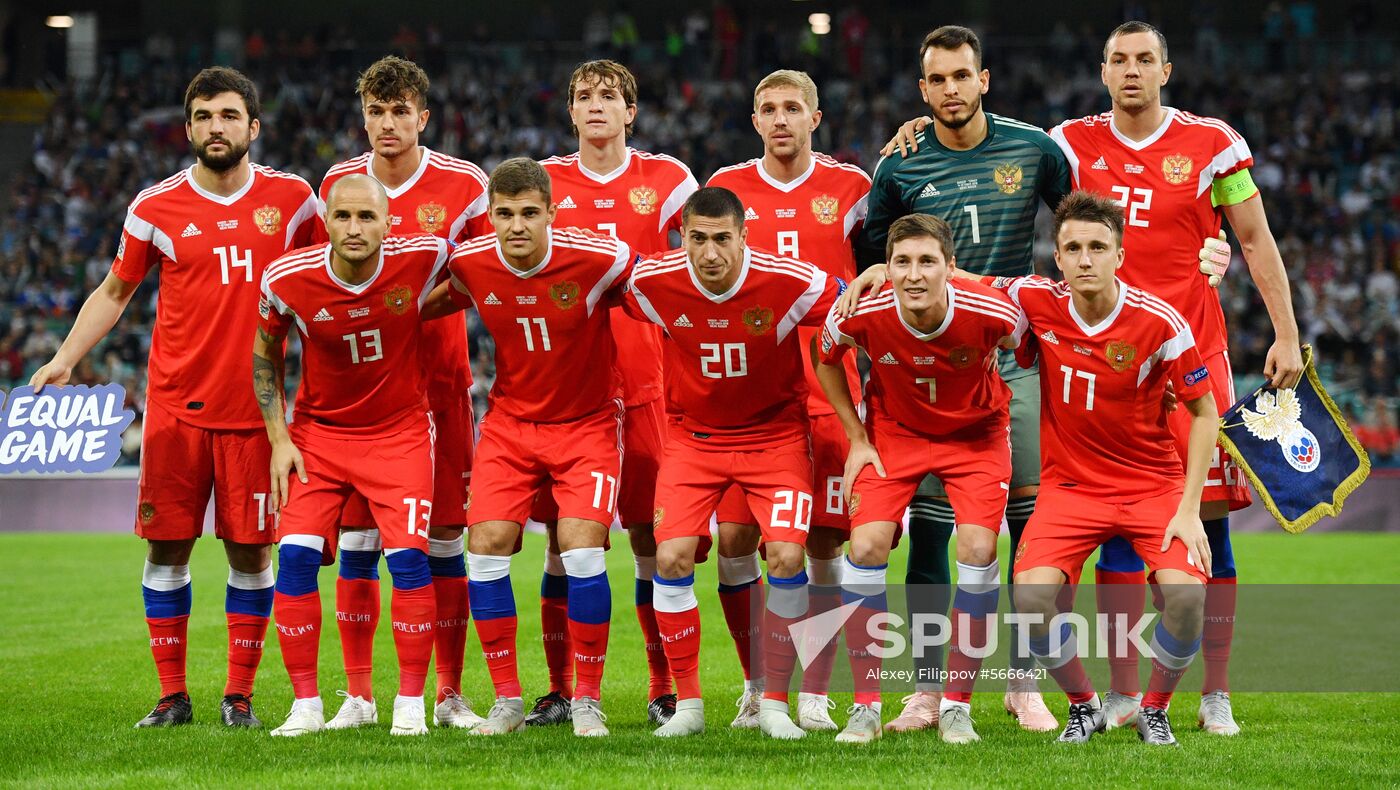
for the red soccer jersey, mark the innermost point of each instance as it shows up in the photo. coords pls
(1165, 184)
(554, 343)
(212, 251)
(1103, 427)
(447, 198)
(733, 362)
(936, 383)
(816, 218)
(639, 203)
(360, 370)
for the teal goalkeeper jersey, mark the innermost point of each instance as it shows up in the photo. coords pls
(988, 196)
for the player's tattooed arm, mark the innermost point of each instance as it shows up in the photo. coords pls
(269, 375)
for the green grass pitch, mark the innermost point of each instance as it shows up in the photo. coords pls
(75, 675)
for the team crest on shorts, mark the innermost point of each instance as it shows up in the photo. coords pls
(1176, 168)
(147, 512)
(1120, 354)
(1020, 552)
(431, 217)
(854, 506)
(759, 320)
(962, 357)
(657, 517)
(1008, 178)
(268, 219)
(398, 299)
(564, 295)
(643, 200)
(825, 208)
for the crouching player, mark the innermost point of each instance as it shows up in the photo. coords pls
(555, 423)
(936, 405)
(361, 425)
(736, 409)
(1109, 464)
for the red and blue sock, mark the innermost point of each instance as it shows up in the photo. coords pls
(166, 592)
(590, 614)
(297, 607)
(554, 625)
(357, 608)
(493, 607)
(413, 608)
(247, 608)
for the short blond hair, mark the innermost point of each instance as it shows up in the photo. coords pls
(788, 78)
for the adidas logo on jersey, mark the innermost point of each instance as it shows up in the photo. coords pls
(491, 299)
(1050, 338)
(568, 202)
(929, 191)
(683, 322)
(750, 214)
(1100, 165)
(190, 230)
(322, 315)
(888, 359)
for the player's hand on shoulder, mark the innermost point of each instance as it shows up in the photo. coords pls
(869, 281)
(1187, 528)
(862, 454)
(904, 138)
(1283, 366)
(591, 233)
(1215, 259)
(285, 458)
(51, 373)
(1169, 399)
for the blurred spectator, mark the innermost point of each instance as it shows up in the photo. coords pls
(1378, 433)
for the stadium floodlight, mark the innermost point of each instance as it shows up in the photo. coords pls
(821, 23)
(59, 21)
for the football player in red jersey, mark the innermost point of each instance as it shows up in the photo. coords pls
(361, 425)
(935, 405)
(808, 206)
(429, 192)
(1177, 176)
(1111, 466)
(736, 412)
(636, 197)
(555, 424)
(211, 229)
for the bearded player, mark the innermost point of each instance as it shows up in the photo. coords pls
(936, 405)
(429, 192)
(1111, 464)
(808, 206)
(736, 414)
(361, 425)
(1177, 175)
(211, 229)
(636, 197)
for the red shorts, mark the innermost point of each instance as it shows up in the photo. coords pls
(829, 448)
(776, 482)
(181, 464)
(975, 467)
(453, 442)
(643, 437)
(1224, 480)
(393, 473)
(1068, 526)
(578, 460)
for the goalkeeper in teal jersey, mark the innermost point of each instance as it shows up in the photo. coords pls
(986, 176)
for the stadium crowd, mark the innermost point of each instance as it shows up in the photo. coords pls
(1325, 159)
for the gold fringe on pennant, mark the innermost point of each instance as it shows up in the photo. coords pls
(1343, 490)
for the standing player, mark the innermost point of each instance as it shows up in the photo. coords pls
(361, 425)
(429, 192)
(986, 175)
(936, 405)
(807, 206)
(1176, 175)
(636, 197)
(555, 423)
(211, 229)
(736, 413)
(1111, 464)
